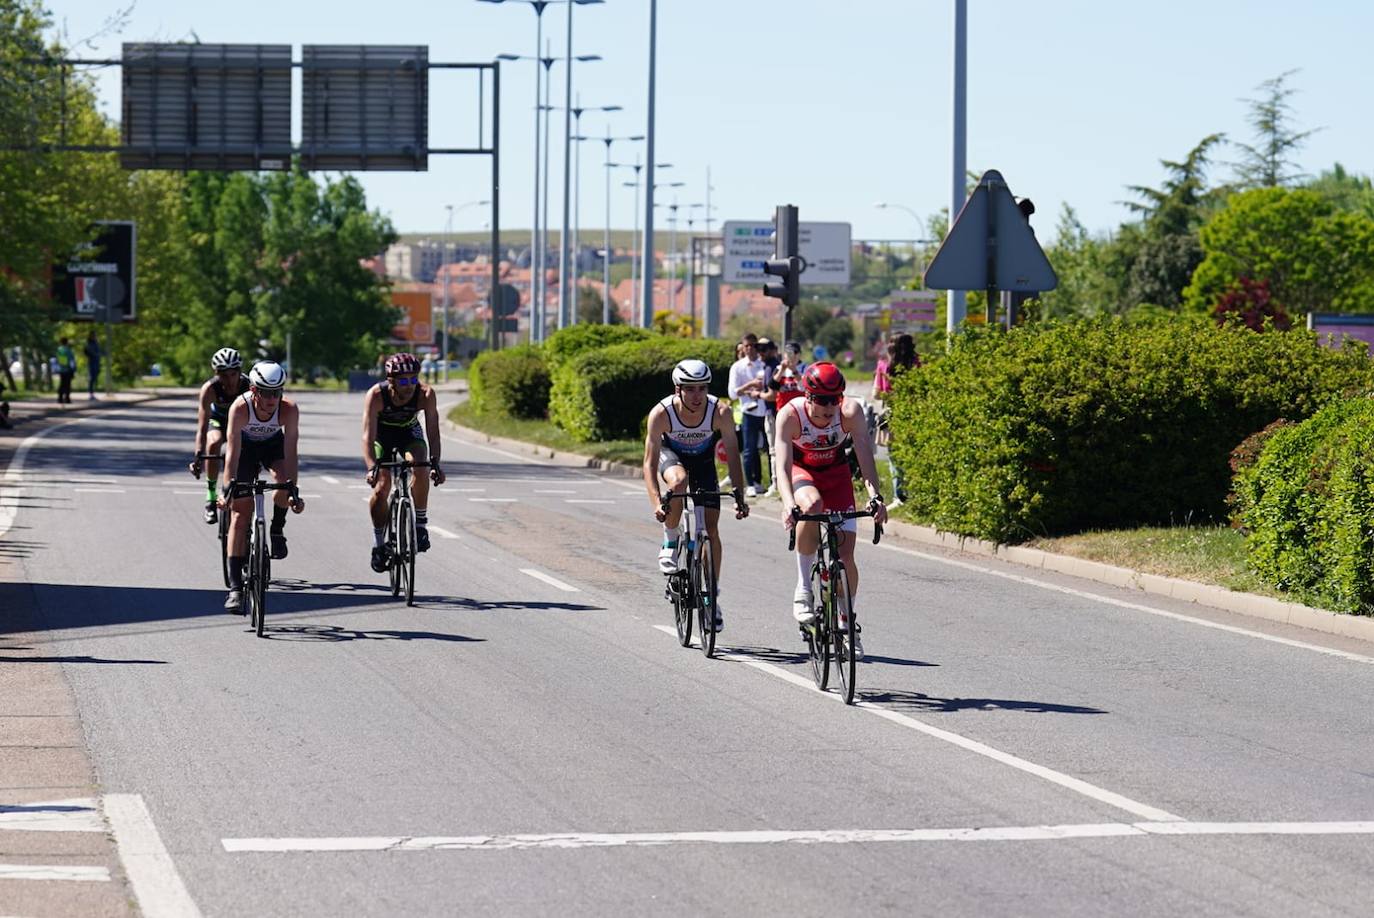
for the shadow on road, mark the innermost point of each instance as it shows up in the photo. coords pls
(331, 634)
(75, 660)
(918, 701)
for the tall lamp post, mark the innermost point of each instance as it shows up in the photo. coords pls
(636, 281)
(606, 251)
(577, 137)
(539, 235)
(538, 6)
(563, 297)
(672, 250)
(646, 305)
(445, 259)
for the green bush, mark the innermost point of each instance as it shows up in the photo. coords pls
(513, 382)
(1307, 505)
(1105, 423)
(606, 394)
(565, 344)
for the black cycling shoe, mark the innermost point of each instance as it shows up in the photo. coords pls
(421, 538)
(381, 559)
(278, 540)
(211, 512)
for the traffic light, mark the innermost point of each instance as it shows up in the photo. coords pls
(786, 263)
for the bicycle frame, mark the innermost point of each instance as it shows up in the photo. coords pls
(259, 572)
(401, 506)
(693, 572)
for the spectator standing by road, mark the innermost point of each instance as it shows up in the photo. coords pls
(66, 369)
(902, 357)
(747, 385)
(93, 354)
(768, 352)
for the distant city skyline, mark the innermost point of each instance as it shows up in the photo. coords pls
(836, 107)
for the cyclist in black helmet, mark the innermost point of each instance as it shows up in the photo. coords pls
(391, 423)
(216, 395)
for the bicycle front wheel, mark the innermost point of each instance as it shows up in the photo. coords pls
(706, 596)
(680, 592)
(260, 576)
(406, 531)
(224, 544)
(842, 631)
(393, 527)
(816, 635)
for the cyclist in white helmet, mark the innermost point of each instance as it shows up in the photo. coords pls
(216, 395)
(680, 452)
(262, 431)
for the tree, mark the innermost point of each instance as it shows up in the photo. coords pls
(836, 335)
(1267, 162)
(1311, 256)
(589, 306)
(1089, 283)
(1345, 191)
(673, 324)
(807, 321)
(1251, 304)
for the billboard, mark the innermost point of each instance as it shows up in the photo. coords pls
(1332, 327)
(416, 324)
(824, 246)
(100, 276)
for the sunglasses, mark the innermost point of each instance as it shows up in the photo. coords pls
(406, 380)
(825, 399)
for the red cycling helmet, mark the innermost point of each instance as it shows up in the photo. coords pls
(402, 364)
(823, 378)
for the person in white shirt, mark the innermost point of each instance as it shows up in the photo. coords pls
(748, 382)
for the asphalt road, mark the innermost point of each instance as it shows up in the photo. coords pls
(530, 739)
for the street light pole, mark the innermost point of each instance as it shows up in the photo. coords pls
(956, 307)
(564, 319)
(448, 236)
(647, 286)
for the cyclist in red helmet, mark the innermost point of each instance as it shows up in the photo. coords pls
(813, 434)
(391, 423)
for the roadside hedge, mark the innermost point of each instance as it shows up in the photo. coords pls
(606, 394)
(565, 344)
(1307, 505)
(1100, 423)
(513, 381)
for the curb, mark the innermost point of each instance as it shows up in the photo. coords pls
(1249, 604)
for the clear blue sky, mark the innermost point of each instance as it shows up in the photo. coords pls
(1072, 100)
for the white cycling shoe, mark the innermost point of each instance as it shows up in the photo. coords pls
(801, 608)
(667, 557)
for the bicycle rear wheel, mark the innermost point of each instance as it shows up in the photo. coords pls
(843, 598)
(705, 572)
(224, 543)
(260, 576)
(817, 638)
(406, 534)
(679, 592)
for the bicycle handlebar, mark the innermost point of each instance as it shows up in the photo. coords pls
(666, 499)
(833, 518)
(401, 464)
(245, 489)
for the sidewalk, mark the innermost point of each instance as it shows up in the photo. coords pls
(1248, 604)
(57, 857)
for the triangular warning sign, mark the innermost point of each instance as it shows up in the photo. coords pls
(990, 223)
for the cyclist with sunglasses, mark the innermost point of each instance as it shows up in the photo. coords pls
(813, 474)
(216, 396)
(263, 429)
(680, 453)
(391, 423)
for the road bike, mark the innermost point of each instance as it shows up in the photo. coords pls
(400, 526)
(258, 572)
(831, 636)
(692, 588)
(223, 524)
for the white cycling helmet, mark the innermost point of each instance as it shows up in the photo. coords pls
(226, 358)
(691, 373)
(268, 375)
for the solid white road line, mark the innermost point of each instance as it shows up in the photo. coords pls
(551, 581)
(1101, 795)
(554, 491)
(565, 840)
(1138, 607)
(493, 500)
(329, 479)
(586, 500)
(98, 490)
(77, 814)
(465, 490)
(53, 872)
(157, 885)
(441, 533)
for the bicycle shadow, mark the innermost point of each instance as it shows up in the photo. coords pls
(480, 605)
(919, 701)
(776, 655)
(334, 634)
(77, 659)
